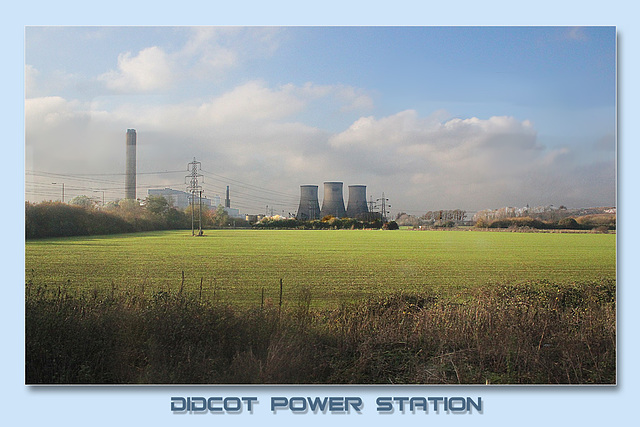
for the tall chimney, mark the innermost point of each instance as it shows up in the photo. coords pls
(333, 202)
(130, 171)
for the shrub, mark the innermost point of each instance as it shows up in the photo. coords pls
(599, 220)
(520, 222)
(391, 225)
(55, 219)
(482, 223)
(568, 224)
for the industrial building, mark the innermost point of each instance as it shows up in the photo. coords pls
(309, 207)
(333, 201)
(357, 204)
(179, 199)
(232, 212)
(182, 199)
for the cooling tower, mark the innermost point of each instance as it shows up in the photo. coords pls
(130, 171)
(333, 203)
(309, 207)
(357, 204)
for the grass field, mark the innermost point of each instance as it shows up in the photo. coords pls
(335, 266)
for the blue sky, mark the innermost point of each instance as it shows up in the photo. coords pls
(434, 117)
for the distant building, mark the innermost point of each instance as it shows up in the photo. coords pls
(233, 213)
(179, 199)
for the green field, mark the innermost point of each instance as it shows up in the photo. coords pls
(336, 266)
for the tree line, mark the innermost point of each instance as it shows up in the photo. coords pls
(82, 217)
(327, 223)
(438, 218)
(599, 222)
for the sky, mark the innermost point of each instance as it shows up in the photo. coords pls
(435, 118)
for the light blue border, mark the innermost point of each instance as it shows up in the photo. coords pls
(538, 405)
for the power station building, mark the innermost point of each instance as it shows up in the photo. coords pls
(130, 168)
(182, 200)
(357, 204)
(309, 207)
(179, 199)
(333, 201)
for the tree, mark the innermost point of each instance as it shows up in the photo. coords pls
(129, 209)
(157, 205)
(82, 201)
(217, 218)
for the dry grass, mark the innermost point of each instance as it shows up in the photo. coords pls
(535, 333)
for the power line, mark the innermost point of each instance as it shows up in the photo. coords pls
(246, 195)
(247, 185)
(124, 174)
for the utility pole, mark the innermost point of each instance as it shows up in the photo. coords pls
(384, 205)
(372, 204)
(55, 183)
(194, 187)
(200, 213)
(100, 191)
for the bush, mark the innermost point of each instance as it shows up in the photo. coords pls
(520, 222)
(55, 219)
(600, 220)
(328, 222)
(568, 224)
(482, 223)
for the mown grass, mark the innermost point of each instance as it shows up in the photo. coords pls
(532, 333)
(235, 266)
(358, 307)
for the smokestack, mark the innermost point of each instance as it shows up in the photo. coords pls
(309, 207)
(227, 200)
(333, 203)
(130, 171)
(357, 205)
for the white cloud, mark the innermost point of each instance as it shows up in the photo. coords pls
(52, 111)
(458, 163)
(406, 132)
(209, 58)
(243, 107)
(151, 69)
(252, 102)
(208, 54)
